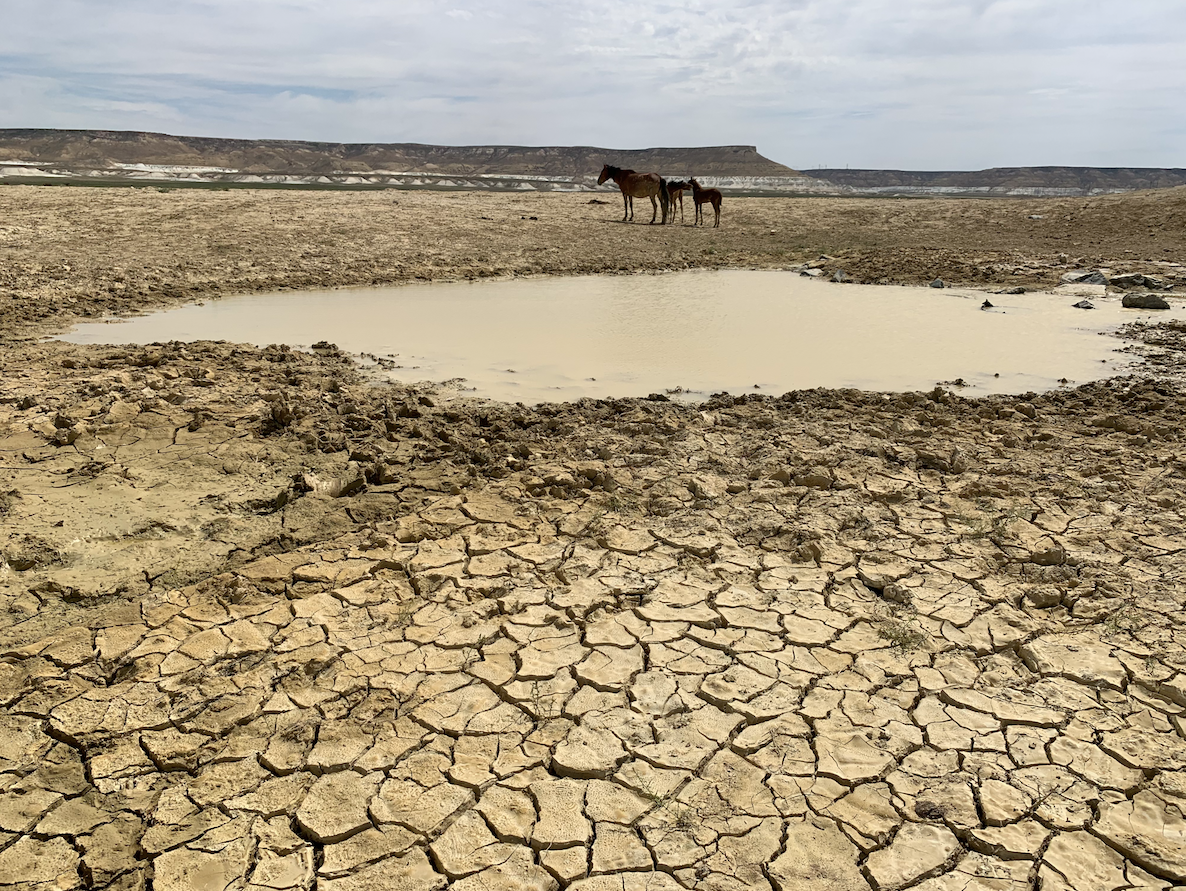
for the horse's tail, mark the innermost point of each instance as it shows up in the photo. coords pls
(664, 197)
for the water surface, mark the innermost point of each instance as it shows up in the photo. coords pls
(696, 333)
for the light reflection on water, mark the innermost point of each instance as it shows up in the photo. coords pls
(552, 339)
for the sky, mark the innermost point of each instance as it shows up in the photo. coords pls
(903, 84)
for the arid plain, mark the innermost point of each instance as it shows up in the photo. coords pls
(268, 624)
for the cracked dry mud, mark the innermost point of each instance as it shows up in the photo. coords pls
(830, 640)
(267, 625)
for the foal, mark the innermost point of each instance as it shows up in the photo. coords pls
(706, 196)
(675, 190)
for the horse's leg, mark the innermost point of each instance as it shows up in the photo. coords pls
(625, 206)
(654, 209)
(716, 209)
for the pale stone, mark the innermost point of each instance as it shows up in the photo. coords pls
(1085, 862)
(409, 872)
(292, 872)
(1004, 710)
(185, 870)
(517, 873)
(566, 864)
(917, 850)
(1148, 831)
(607, 802)
(851, 758)
(20, 812)
(336, 807)
(1146, 751)
(51, 864)
(1016, 841)
(586, 754)
(1093, 765)
(1076, 657)
(868, 810)
(630, 881)
(610, 668)
(368, 846)
(736, 684)
(416, 808)
(817, 855)
(510, 813)
(977, 872)
(617, 849)
(561, 822)
(468, 846)
(1003, 803)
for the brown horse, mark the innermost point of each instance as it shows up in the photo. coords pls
(675, 192)
(706, 196)
(637, 185)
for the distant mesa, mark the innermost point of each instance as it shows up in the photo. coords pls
(1004, 181)
(138, 153)
(130, 157)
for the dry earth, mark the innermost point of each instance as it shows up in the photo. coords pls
(264, 624)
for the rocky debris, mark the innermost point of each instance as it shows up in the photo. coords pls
(1084, 277)
(1129, 280)
(938, 283)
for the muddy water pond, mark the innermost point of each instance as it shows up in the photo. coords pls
(689, 333)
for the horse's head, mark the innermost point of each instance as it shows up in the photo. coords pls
(606, 173)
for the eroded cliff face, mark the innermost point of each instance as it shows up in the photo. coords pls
(98, 149)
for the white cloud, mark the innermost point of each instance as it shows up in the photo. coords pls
(903, 83)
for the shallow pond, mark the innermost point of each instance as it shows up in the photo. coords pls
(696, 333)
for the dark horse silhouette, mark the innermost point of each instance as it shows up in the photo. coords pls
(675, 192)
(706, 196)
(637, 185)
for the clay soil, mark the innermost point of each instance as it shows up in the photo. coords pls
(267, 624)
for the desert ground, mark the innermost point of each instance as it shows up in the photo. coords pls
(266, 623)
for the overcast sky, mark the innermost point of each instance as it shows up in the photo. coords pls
(913, 84)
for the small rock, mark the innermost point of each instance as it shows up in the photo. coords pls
(839, 276)
(1044, 596)
(1144, 301)
(986, 305)
(1137, 280)
(1084, 277)
(1083, 304)
(938, 283)
(1054, 555)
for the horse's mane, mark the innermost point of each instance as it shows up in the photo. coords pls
(613, 171)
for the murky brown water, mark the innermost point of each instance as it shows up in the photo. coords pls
(553, 339)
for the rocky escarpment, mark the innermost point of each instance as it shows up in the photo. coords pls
(1047, 182)
(101, 149)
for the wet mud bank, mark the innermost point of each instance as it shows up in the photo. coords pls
(266, 624)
